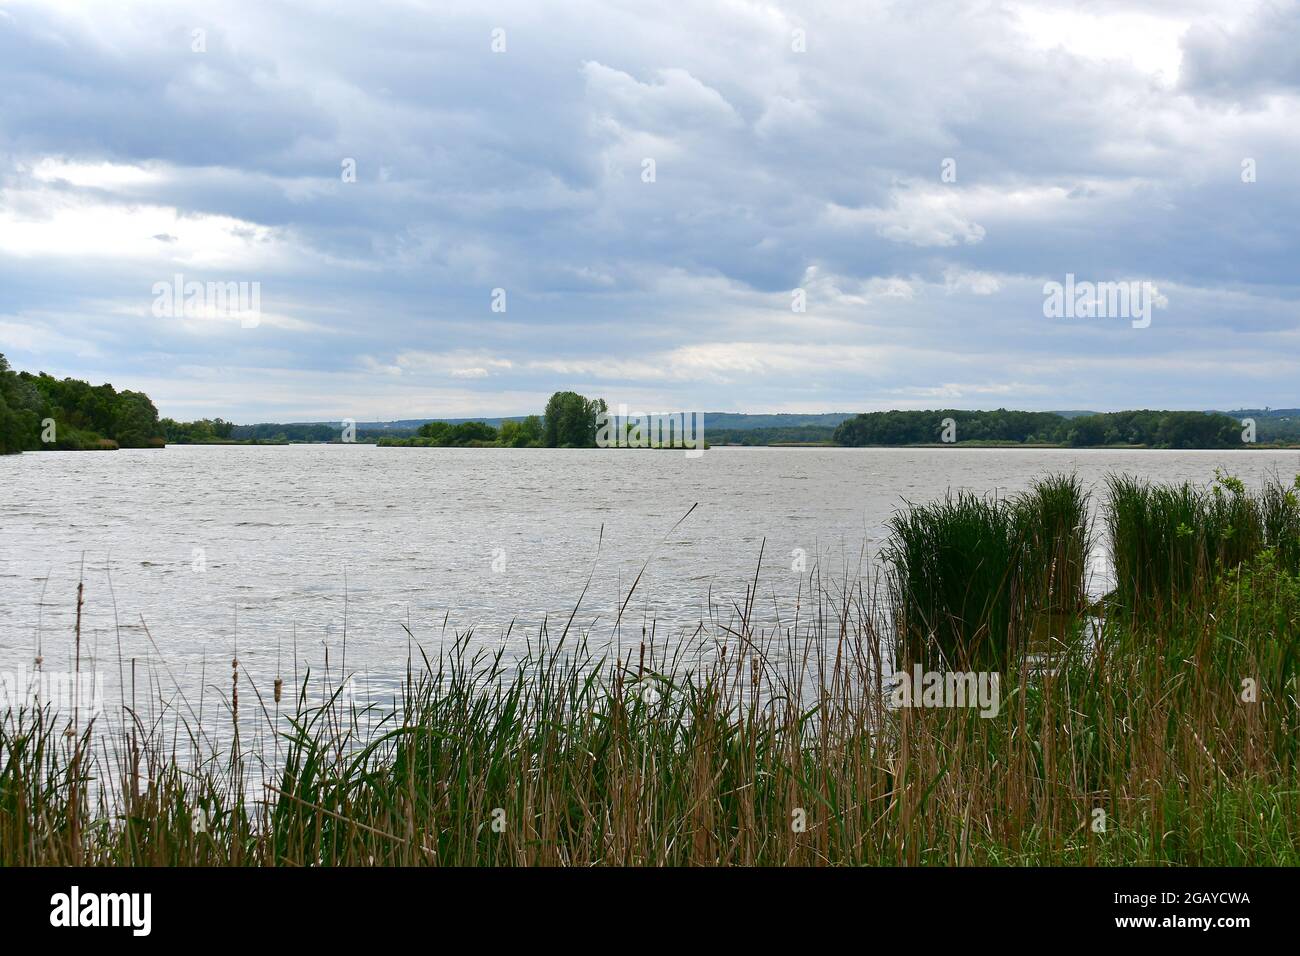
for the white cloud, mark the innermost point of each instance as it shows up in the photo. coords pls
(976, 283)
(1147, 41)
(48, 224)
(917, 215)
(94, 175)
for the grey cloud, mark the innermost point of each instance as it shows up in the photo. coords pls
(1260, 56)
(522, 170)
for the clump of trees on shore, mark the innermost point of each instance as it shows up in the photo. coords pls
(571, 421)
(42, 412)
(1152, 429)
(511, 434)
(205, 430)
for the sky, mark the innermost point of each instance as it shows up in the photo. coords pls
(449, 209)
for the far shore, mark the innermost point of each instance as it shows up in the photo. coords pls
(1257, 446)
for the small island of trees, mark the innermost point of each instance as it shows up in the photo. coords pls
(570, 421)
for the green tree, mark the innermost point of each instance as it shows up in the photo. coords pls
(467, 433)
(571, 420)
(434, 431)
(135, 421)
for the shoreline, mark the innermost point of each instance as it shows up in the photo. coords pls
(992, 446)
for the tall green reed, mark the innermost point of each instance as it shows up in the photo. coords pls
(972, 574)
(1170, 542)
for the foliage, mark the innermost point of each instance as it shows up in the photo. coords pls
(1170, 542)
(525, 434)
(460, 435)
(571, 420)
(83, 415)
(1261, 596)
(197, 432)
(925, 427)
(1154, 429)
(276, 433)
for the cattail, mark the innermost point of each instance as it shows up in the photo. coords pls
(279, 684)
(234, 685)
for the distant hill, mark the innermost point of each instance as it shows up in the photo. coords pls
(736, 421)
(1282, 413)
(1272, 424)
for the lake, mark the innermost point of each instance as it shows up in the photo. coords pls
(193, 551)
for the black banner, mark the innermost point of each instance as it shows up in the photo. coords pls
(291, 907)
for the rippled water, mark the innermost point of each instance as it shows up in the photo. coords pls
(273, 548)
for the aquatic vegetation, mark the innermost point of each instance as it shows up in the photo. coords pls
(972, 574)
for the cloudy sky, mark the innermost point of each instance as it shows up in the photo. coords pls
(649, 184)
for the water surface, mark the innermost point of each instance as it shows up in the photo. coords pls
(193, 551)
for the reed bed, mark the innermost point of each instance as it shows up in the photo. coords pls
(1169, 543)
(973, 576)
(1170, 741)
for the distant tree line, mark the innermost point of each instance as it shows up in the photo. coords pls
(197, 432)
(511, 434)
(276, 433)
(766, 435)
(1153, 429)
(1279, 429)
(98, 416)
(570, 421)
(1272, 425)
(40, 412)
(917, 427)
